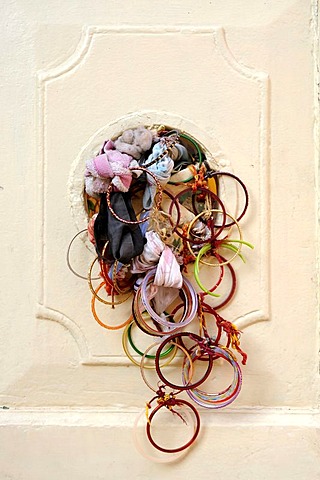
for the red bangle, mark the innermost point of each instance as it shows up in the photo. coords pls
(199, 341)
(170, 404)
(232, 291)
(228, 174)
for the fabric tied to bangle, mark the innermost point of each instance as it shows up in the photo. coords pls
(125, 240)
(168, 278)
(161, 169)
(111, 165)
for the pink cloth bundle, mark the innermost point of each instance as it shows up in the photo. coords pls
(111, 165)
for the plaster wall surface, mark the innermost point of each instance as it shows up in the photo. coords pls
(243, 78)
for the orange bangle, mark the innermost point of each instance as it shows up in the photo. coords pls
(93, 308)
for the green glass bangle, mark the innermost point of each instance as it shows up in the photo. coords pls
(200, 159)
(194, 143)
(164, 354)
(202, 251)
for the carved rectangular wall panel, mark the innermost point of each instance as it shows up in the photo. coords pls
(112, 81)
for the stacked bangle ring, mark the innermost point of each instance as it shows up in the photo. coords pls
(187, 290)
(135, 362)
(174, 345)
(164, 354)
(221, 399)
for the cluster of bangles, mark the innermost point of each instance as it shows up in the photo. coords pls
(158, 220)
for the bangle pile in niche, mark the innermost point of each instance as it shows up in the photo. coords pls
(159, 211)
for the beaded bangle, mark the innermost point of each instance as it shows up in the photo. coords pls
(145, 219)
(170, 145)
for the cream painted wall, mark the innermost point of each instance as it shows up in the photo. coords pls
(241, 76)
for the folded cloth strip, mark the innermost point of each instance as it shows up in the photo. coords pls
(125, 240)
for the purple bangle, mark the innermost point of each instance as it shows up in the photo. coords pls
(223, 398)
(190, 295)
